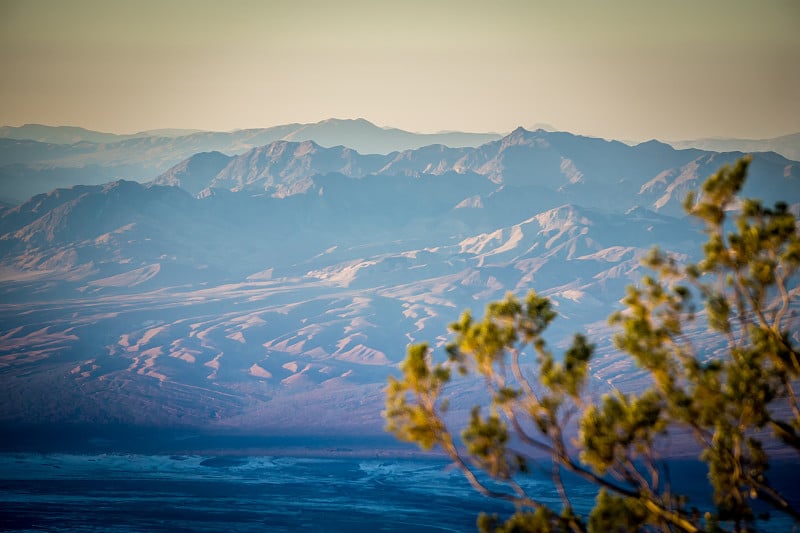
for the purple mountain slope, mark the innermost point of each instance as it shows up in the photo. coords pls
(274, 292)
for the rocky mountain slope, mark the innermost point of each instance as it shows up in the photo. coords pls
(565, 168)
(276, 290)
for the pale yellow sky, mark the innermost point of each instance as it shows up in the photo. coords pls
(617, 69)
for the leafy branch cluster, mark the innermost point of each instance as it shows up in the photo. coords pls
(729, 401)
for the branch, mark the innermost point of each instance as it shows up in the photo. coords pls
(521, 379)
(770, 495)
(780, 281)
(450, 449)
(522, 434)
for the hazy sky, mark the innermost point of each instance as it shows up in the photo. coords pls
(617, 69)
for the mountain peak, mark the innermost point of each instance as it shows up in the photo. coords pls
(195, 173)
(121, 185)
(346, 121)
(276, 148)
(654, 143)
(519, 136)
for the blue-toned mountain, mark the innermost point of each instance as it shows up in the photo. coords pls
(276, 290)
(36, 158)
(557, 167)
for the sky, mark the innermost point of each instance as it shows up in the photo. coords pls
(629, 70)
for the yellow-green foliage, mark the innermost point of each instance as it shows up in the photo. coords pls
(745, 284)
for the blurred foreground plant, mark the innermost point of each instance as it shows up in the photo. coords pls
(729, 401)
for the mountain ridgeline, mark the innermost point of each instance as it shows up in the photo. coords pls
(36, 158)
(275, 290)
(588, 171)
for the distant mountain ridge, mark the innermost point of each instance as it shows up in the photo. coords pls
(35, 159)
(74, 134)
(358, 134)
(363, 136)
(274, 291)
(786, 145)
(585, 170)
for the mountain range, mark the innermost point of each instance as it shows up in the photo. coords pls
(785, 145)
(276, 289)
(36, 158)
